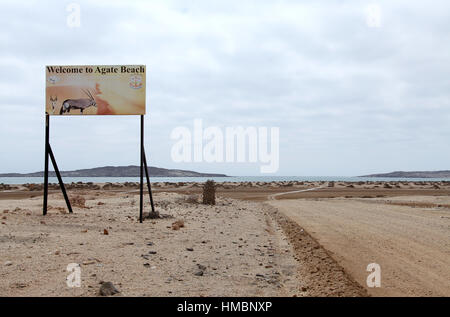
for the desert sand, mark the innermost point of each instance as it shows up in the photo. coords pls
(237, 248)
(260, 239)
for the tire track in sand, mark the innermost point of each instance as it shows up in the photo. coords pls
(272, 197)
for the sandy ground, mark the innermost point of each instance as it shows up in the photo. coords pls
(411, 244)
(243, 252)
(261, 239)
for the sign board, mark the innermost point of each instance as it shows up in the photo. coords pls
(95, 90)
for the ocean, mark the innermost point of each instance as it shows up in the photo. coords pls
(37, 180)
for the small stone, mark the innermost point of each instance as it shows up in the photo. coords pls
(105, 232)
(108, 289)
(198, 273)
(190, 249)
(177, 225)
(8, 263)
(201, 267)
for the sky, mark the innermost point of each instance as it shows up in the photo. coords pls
(349, 97)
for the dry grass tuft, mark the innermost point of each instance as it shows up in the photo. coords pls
(78, 201)
(191, 199)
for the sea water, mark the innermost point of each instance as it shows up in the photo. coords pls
(38, 180)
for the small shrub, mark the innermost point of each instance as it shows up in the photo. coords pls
(209, 193)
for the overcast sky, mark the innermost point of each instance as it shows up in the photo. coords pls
(349, 99)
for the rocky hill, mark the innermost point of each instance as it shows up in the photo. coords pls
(118, 171)
(417, 174)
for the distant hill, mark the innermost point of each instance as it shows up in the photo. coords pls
(118, 171)
(423, 174)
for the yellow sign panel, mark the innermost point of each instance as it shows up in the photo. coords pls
(95, 90)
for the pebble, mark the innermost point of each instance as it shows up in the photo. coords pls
(200, 270)
(108, 289)
(8, 263)
(198, 273)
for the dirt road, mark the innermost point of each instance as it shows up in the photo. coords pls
(412, 245)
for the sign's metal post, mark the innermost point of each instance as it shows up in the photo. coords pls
(141, 190)
(47, 130)
(49, 152)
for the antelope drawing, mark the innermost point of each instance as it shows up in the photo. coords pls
(81, 104)
(53, 100)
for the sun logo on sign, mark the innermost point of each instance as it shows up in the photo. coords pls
(136, 81)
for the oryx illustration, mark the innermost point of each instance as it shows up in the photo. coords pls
(81, 104)
(53, 100)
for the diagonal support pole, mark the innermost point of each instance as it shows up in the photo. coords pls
(58, 174)
(148, 182)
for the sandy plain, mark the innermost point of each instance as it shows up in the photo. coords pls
(260, 239)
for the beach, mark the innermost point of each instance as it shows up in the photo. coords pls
(290, 238)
